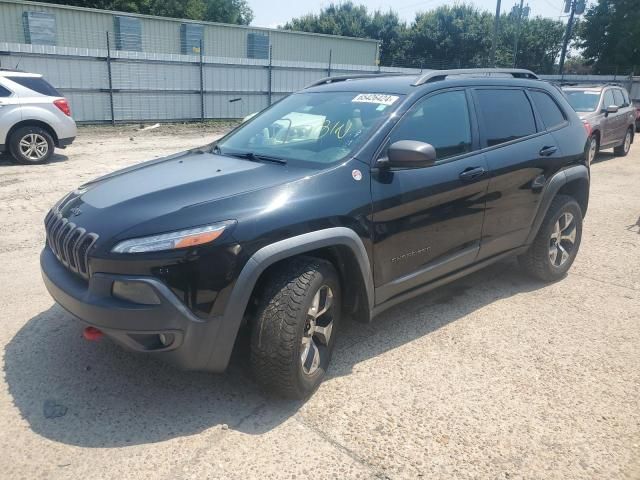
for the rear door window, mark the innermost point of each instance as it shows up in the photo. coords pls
(37, 84)
(505, 115)
(627, 102)
(547, 108)
(4, 92)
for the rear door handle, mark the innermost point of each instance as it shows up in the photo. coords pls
(547, 151)
(472, 173)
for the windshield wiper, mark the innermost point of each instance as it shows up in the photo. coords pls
(256, 157)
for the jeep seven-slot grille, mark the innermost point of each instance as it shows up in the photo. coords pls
(70, 244)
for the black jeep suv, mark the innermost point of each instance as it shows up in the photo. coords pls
(348, 197)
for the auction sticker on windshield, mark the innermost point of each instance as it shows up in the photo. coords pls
(377, 98)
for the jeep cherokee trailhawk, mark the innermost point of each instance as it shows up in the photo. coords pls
(347, 197)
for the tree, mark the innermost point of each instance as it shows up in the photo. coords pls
(445, 37)
(224, 11)
(610, 35)
(349, 20)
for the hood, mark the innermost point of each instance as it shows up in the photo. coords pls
(164, 188)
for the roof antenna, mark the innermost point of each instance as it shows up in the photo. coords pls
(18, 64)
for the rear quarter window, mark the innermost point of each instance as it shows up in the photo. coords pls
(37, 84)
(505, 115)
(4, 92)
(547, 108)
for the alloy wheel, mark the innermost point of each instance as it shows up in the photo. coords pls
(34, 146)
(563, 240)
(317, 332)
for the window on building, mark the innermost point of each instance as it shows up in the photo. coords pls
(548, 109)
(257, 45)
(128, 33)
(191, 38)
(505, 115)
(441, 120)
(39, 28)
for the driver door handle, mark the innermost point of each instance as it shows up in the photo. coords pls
(471, 173)
(548, 151)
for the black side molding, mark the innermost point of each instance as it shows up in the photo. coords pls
(267, 256)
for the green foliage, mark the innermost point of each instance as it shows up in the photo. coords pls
(610, 35)
(225, 11)
(448, 36)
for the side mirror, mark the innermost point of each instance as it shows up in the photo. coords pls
(410, 154)
(611, 109)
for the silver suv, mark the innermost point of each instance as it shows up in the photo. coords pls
(608, 113)
(34, 117)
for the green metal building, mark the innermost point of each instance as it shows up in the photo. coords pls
(66, 26)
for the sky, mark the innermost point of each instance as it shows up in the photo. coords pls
(271, 13)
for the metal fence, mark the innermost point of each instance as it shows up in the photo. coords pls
(110, 84)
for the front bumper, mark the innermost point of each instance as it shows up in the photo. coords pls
(197, 344)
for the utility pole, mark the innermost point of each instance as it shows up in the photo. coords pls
(494, 42)
(567, 35)
(515, 44)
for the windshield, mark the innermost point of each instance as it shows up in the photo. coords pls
(314, 129)
(583, 100)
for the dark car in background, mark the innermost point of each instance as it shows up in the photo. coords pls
(609, 114)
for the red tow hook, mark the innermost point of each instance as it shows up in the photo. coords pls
(92, 334)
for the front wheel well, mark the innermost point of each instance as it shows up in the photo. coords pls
(578, 189)
(34, 123)
(354, 294)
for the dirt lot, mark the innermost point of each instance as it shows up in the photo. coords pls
(495, 376)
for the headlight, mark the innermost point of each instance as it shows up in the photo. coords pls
(170, 241)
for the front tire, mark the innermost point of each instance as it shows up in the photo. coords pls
(623, 149)
(556, 245)
(293, 335)
(31, 145)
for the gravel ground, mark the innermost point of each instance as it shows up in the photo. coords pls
(494, 376)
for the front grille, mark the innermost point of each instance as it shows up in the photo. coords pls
(70, 244)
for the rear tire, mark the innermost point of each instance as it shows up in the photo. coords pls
(292, 338)
(592, 149)
(31, 145)
(623, 149)
(556, 245)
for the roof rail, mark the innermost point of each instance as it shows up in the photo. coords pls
(344, 78)
(436, 75)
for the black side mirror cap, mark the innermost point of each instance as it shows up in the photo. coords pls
(409, 154)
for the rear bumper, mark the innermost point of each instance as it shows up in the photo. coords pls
(196, 344)
(65, 142)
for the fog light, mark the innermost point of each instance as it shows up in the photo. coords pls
(165, 340)
(136, 292)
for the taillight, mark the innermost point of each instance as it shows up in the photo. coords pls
(63, 105)
(587, 127)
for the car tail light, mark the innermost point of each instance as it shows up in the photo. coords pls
(587, 127)
(63, 105)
